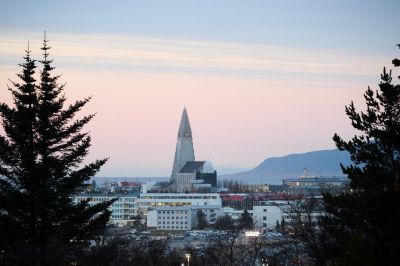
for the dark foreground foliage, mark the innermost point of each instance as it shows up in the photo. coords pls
(42, 146)
(364, 223)
(361, 226)
(123, 252)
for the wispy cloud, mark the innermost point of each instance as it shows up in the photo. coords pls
(193, 57)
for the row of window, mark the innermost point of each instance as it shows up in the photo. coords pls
(173, 212)
(96, 199)
(167, 222)
(123, 205)
(125, 217)
(173, 217)
(178, 197)
(173, 227)
(153, 204)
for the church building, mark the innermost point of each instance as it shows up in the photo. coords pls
(189, 175)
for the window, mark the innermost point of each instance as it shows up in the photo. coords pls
(265, 218)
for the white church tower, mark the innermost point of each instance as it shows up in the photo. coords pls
(184, 146)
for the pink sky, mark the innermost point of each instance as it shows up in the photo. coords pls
(245, 102)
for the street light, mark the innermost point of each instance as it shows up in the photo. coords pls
(187, 255)
(264, 261)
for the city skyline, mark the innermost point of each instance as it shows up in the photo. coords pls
(274, 82)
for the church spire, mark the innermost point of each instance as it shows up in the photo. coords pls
(184, 127)
(184, 146)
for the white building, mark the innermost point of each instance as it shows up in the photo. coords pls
(128, 206)
(123, 210)
(148, 186)
(266, 214)
(150, 201)
(170, 218)
(212, 212)
(233, 213)
(303, 210)
(180, 218)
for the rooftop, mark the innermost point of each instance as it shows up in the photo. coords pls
(192, 167)
(172, 208)
(110, 195)
(129, 184)
(188, 207)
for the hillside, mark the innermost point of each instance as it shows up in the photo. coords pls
(274, 169)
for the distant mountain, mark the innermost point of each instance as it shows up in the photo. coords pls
(274, 169)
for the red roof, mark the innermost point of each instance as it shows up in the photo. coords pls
(233, 198)
(129, 184)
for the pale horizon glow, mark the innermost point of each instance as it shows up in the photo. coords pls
(246, 100)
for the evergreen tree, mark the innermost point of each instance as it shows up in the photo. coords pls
(137, 223)
(224, 222)
(201, 220)
(246, 221)
(17, 152)
(41, 151)
(364, 223)
(283, 225)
